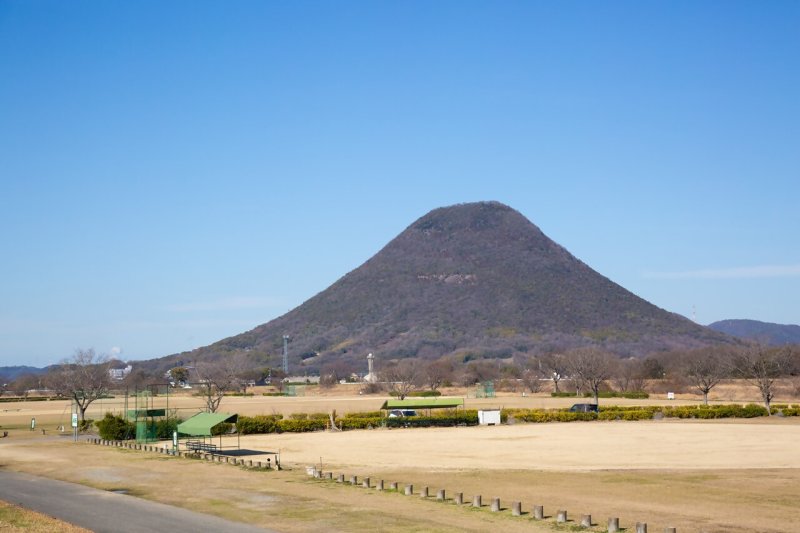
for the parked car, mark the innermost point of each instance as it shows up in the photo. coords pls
(584, 408)
(401, 413)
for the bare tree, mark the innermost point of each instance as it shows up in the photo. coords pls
(761, 367)
(629, 375)
(436, 373)
(83, 378)
(403, 377)
(555, 365)
(532, 374)
(592, 367)
(705, 368)
(218, 377)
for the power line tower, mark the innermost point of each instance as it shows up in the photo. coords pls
(286, 354)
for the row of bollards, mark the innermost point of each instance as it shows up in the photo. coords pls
(537, 511)
(210, 457)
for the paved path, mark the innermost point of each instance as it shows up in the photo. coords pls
(102, 511)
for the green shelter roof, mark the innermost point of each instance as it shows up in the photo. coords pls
(200, 424)
(423, 403)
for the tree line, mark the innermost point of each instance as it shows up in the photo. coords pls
(85, 377)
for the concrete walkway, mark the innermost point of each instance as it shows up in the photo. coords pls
(102, 511)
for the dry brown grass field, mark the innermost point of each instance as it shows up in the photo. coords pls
(714, 476)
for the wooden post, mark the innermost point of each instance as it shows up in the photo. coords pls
(459, 499)
(495, 505)
(561, 516)
(516, 508)
(538, 512)
(613, 525)
(586, 520)
(641, 527)
(409, 490)
(440, 495)
(476, 500)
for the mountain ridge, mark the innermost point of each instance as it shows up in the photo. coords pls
(471, 280)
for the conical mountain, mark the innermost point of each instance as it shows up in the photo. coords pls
(473, 280)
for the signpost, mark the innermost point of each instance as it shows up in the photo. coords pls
(75, 427)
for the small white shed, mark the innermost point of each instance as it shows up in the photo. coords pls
(489, 417)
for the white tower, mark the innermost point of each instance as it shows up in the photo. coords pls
(370, 377)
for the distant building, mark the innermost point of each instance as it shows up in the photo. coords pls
(118, 374)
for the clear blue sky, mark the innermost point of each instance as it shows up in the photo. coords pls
(172, 173)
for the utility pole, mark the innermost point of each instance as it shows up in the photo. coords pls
(286, 354)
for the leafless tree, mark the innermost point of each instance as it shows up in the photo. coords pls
(532, 374)
(219, 377)
(555, 365)
(628, 375)
(83, 378)
(438, 372)
(403, 377)
(761, 367)
(705, 368)
(592, 366)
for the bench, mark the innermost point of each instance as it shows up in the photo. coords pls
(200, 446)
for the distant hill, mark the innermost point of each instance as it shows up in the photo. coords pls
(764, 332)
(472, 281)
(11, 373)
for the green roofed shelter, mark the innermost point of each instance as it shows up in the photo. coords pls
(424, 403)
(200, 425)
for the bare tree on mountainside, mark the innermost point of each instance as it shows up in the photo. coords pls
(83, 378)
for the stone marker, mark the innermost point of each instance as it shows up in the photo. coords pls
(393, 485)
(353, 480)
(476, 500)
(440, 495)
(424, 492)
(379, 486)
(409, 490)
(459, 499)
(586, 520)
(328, 475)
(340, 478)
(613, 525)
(538, 512)
(670, 530)
(365, 483)
(495, 505)
(516, 508)
(561, 516)
(641, 527)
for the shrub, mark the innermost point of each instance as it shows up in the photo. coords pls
(114, 427)
(166, 426)
(248, 425)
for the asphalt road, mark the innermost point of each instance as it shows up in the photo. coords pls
(102, 511)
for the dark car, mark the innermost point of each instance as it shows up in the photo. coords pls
(584, 408)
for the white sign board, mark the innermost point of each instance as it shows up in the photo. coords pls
(670, 396)
(489, 417)
(74, 420)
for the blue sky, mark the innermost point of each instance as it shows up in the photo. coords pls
(172, 173)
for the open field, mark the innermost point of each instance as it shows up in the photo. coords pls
(727, 475)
